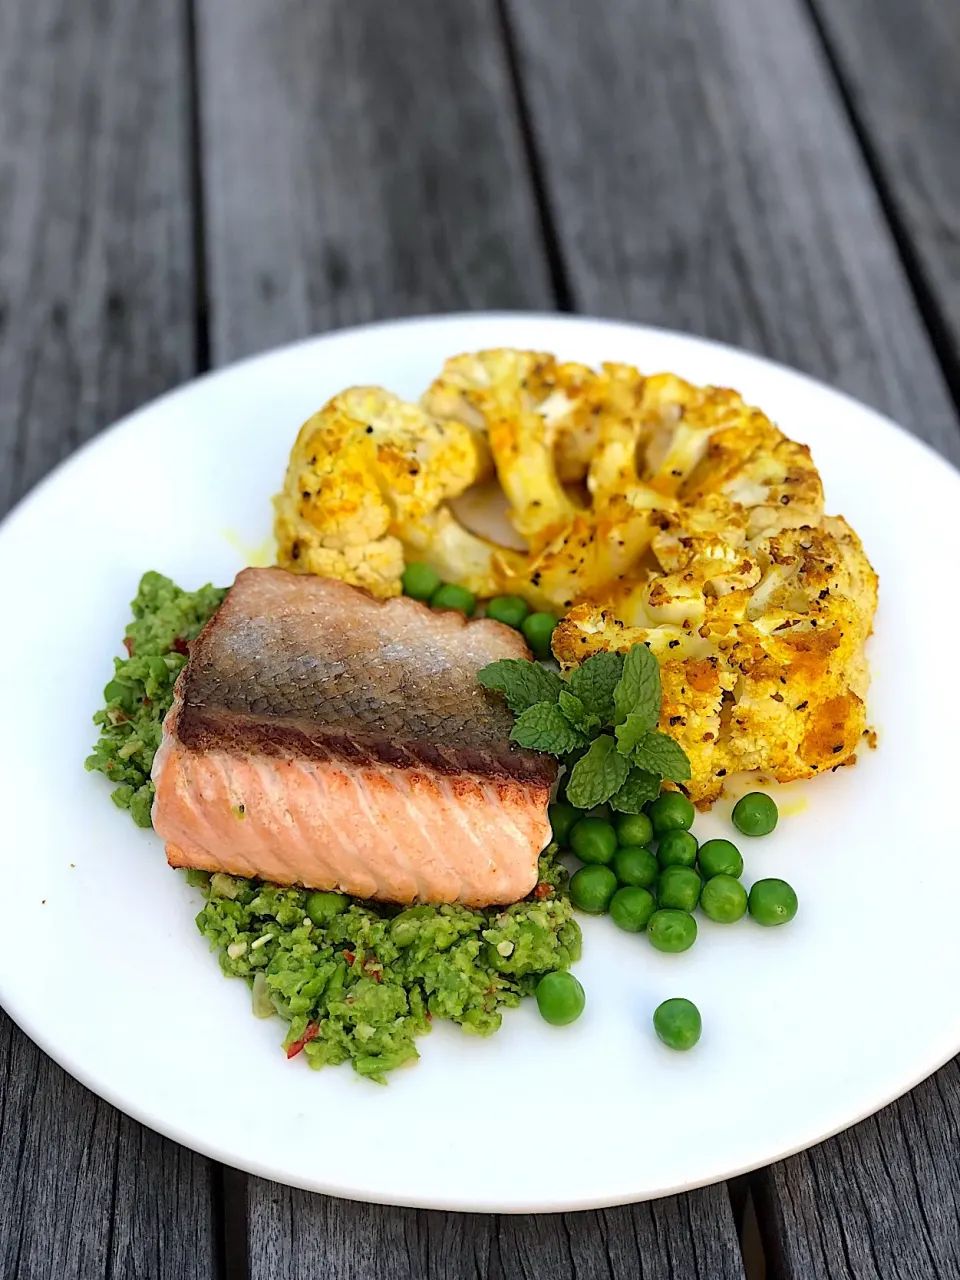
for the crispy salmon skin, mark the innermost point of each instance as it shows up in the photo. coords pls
(321, 737)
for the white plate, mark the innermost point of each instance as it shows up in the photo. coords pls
(806, 1029)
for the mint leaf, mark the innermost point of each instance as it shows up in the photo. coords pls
(659, 753)
(638, 692)
(594, 682)
(544, 727)
(598, 774)
(636, 791)
(632, 732)
(576, 713)
(523, 683)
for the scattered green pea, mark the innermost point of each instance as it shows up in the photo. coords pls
(720, 858)
(538, 630)
(450, 596)
(593, 840)
(631, 908)
(510, 610)
(677, 1022)
(420, 581)
(634, 829)
(677, 848)
(772, 902)
(670, 930)
(755, 814)
(671, 811)
(678, 888)
(723, 899)
(560, 998)
(563, 817)
(322, 907)
(637, 867)
(591, 889)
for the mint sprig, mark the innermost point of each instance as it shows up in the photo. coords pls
(544, 727)
(522, 683)
(603, 719)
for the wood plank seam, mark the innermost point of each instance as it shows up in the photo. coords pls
(925, 296)
(559, 279)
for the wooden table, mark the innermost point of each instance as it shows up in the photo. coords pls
(182, 183)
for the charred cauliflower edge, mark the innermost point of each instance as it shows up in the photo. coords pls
(653, 510)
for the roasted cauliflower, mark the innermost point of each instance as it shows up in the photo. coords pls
(652, 511)
(367, 480)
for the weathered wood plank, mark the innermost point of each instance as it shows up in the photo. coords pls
(294, 1234)
(96, 315)
(364, 161)
(701, 175)
(361, 162)
(878, 1202)
(96, 267)
(899, 63)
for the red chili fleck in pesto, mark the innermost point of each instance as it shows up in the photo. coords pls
(311, 1033)
(180, 646)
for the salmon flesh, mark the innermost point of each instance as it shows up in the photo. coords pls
(324, 738)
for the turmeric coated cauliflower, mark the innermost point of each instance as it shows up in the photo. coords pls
(367, 477)
(652, 510)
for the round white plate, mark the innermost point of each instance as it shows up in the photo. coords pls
(806, 1028)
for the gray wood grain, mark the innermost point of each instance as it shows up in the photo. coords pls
(96, 269)
(900, 63)
(701, 175)
(96, 315)
(297, 1236)
(361, 162)
(879, 1202)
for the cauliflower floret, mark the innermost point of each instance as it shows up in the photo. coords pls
(366, 473)
(770, 675)
(514, 397)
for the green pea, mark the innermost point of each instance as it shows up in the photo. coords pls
(634, 829)
(672, 930)
(450, 596)
(538, 630)
(563, 818)
(322, 907)
(510, 610)
(724, 899)
(671, 811)
(560, 998)
(677, 1022)
(772, 902)
(677, 849)
(593, 840)
(755, 814)
(405, 927)
(420, 581)
(678, 888)
(720, 858)
(636, 867)
(631, 908)
(591, 889)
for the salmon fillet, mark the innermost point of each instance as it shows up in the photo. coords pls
(321, 737)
